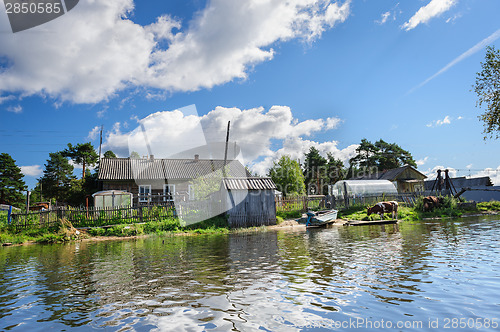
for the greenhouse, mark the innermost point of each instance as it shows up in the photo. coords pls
(358, 188)
(112, 198)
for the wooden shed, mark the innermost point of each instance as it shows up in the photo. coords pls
(249, 201)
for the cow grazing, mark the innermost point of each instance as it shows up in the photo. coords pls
(431, 202)
(384, 207)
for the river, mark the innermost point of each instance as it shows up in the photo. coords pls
(414, 276)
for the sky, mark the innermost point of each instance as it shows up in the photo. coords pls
(288, 75)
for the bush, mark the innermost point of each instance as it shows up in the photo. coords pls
(279, 220)
(293, 214)
(489, 206)
(97, 231)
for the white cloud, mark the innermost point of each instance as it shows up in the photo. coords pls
(15, 109)
(494, 175)
(438, 123)
(433, 9)
(6, 98)
(33, 170)
(262, 135)
(94, 133)
(384, 17)
(422, 161)
(432, 172)
(95, 51)
(469, 166)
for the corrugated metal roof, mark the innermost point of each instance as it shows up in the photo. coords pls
(133, 169)
(248, 184)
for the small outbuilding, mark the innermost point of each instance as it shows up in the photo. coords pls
(249, 201)
(361, 188)
(109, 199)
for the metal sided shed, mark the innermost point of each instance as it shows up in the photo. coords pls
(249, 201)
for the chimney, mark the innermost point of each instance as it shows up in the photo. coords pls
(196, 157)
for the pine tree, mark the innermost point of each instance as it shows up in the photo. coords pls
(83, 154)
(57, 176)
(11, 181)
(315, 172)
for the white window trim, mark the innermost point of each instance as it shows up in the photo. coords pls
(142, 197)
(171, 191)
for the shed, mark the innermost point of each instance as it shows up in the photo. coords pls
(356, 188)
(112, 198)
(249, 201)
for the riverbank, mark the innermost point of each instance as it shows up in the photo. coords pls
(172, 227)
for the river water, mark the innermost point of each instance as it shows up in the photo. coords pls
(414, 276)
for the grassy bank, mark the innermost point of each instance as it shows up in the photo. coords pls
(65, 232)
(450, 208)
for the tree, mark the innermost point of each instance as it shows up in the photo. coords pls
(11, 181)
(391, 155)
(109, 154)
(487, 88)
(315, 171)
(335, 169)
(381, 155)
(365, 155)
(57, 176)
(82, 153)
(134, 155)
(287, 176)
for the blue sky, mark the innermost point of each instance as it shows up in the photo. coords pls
(288, 76)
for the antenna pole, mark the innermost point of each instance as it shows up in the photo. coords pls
(225, 152)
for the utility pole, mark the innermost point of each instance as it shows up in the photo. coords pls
(225, 152)
(100, 144)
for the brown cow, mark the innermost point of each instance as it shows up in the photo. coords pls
(431, 202)
(383, 207)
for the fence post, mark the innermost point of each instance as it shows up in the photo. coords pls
(140, 213)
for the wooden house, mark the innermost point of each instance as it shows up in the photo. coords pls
(162, 180)
(406, 179)
(249, 201)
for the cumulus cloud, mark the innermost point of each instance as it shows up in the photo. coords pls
(493, 173)
(257, 136)
(438, 123)
(94, 133)
(423, 161)
(431, 173)
(96, 50)
(433, 9)
(15, 109)
(33, 170)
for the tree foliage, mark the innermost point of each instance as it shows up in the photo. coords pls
(315, 171)
(57, 177)
(109, 154)
(11, 181)
(287, 176)
(487, 88)
(83, 154)
(382, 155)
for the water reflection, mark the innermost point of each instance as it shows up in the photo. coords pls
(269, 280)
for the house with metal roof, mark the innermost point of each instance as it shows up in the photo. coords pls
(406, 179)
(163, 180)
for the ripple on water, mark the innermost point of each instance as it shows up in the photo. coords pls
(274, 281)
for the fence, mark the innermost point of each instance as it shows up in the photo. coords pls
(93, 217)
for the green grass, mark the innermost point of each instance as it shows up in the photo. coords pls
(489, 206)
(293, 214)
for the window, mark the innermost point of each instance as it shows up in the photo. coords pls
(168, 192)
(144, 192)
(191, 192)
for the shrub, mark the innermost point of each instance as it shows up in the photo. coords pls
(97, 231)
